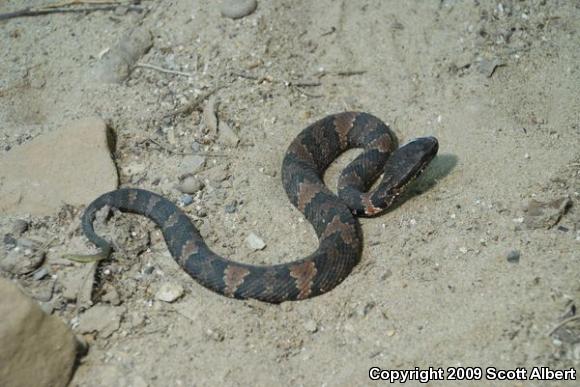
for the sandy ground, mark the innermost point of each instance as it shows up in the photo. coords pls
(497, 82)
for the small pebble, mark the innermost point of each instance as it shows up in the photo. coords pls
(149, 269)
(185, 200)
(227, 136)
(40, 274)
(577, 351)
(195, 146)
(513, 256)
(231, 207)
(191, 164)
(218, 174)
(169, 292)
(255, 242)
(363, 310)
(215, 335)
(111, 296)
(235, 9)
(488, 67)
(386, 275)
(311, 326)
(190, 185)
(200, 212)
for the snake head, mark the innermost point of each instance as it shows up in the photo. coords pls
(405, 164)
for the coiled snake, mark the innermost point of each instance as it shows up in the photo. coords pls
(333, 218)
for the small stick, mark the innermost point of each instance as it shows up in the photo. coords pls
(348, 73)
(562, 323)
(191, 106)
(76, 2)
(244, 75)
(163, 70)
(306, 93)
(305, 83)
(27, 12)
(332, 30)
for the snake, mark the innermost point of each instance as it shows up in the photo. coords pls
(334, 217)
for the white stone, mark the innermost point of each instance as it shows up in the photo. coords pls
(255, 242)
(169, 292)
(236, 9)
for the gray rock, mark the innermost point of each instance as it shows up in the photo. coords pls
(19, 261)
(255, 242)
(117, 63)
(227, 136)
(43, 174)
(101, 319)
(235, 9)
(545, 214)
(78, 284)
(35, 349)
(169, 292)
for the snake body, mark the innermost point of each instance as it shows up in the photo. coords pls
(333, 217)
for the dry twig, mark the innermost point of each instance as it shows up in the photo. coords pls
(193, 104)
(562, 323)
(163, 70)
(65, 7)
(348, 73)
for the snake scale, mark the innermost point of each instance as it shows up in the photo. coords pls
(333, 217)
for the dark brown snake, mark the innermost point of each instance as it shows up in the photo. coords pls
(333, 218)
